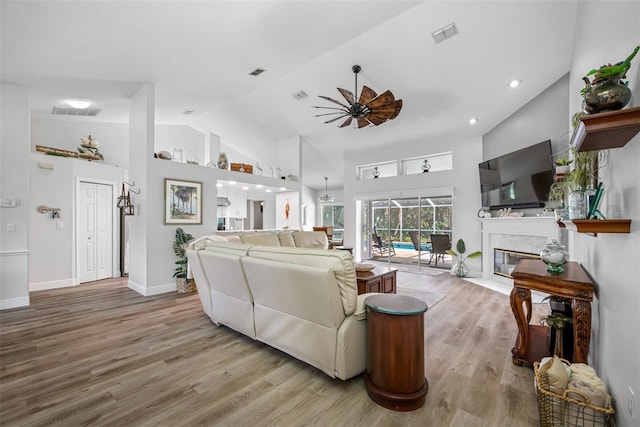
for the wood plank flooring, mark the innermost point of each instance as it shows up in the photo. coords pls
(101, 354)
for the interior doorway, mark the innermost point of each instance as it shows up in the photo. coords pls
(94, 213)
(255, 212)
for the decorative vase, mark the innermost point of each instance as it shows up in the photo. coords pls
(605, 94)
(223, 162)
(555, 256)
(177, 154)
(192, 158)
(577, 204)
(460, 269)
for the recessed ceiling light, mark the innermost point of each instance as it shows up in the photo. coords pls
(473, 121)
(514, 83)
(232, 183)
(268, 190)
(283, 189)
(259, 186)
(218, 184)
(80, 104)
(245, 188)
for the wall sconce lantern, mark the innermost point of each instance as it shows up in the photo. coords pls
(375, 172)
(124, 200)
(425, 166)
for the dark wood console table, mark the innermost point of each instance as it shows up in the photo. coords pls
(574, 284)
(380, 279)
(395, 377)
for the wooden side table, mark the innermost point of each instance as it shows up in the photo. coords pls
(574, 284)
(380, 279)
(395, 377)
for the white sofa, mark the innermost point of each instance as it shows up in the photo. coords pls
(303, 301)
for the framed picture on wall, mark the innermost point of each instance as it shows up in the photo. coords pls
(182, 202)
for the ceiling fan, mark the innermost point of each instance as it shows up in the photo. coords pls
(370, 109)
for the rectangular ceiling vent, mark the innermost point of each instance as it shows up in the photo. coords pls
(68, 111)
(445, 33)
(256, 72)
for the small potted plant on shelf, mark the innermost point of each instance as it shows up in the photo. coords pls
(563, 165)
(460, 269)
(183, 284)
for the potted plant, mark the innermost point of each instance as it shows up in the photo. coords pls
(607, 91)
(563, 165)
(182, 239)
(460, 268)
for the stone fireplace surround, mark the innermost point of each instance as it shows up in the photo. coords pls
(523, 234)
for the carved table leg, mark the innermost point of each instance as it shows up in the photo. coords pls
(520, 296)
(581, 329)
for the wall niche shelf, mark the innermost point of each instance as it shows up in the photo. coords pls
(595, 226)
(611, 129)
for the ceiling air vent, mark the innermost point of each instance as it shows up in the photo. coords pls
(68, 111)
(445, 32)
(300, 95)
(256, 72)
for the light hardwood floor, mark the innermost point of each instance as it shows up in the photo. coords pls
(101, 354)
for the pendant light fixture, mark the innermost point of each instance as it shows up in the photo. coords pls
(326, 198)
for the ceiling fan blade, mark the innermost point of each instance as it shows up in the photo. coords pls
(385, 98)
(375, 119)
(347, 95)
(330, 108)
(346, 122)
(333, 100)
(366, 95)
(337, 118)
(342, 113)
(362, 122)
(398, 105)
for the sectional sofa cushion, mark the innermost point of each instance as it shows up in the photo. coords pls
(262, 239)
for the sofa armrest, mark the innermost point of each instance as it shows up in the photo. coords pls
(361, 309)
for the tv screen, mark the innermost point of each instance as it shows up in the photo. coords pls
(520, 179)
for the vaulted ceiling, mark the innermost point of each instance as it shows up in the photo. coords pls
(200, 53)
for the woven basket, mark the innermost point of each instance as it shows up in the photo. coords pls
(184, 287)
(563, 411)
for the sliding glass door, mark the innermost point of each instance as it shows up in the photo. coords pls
(398, 230)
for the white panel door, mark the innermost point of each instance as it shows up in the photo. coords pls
(95, 231)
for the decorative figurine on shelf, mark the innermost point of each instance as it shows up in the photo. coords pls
(89, 148)
(223, 162)
(375, 172)
(607, 91)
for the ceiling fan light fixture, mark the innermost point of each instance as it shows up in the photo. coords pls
(367, 109)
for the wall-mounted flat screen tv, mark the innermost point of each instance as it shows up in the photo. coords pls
(520, 179)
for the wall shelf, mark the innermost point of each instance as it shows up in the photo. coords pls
(611, 129)
(596, 226)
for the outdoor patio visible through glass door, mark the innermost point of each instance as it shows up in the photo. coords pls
(401, 229)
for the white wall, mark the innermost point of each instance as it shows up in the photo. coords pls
(168, 137)
(462, 182)
(63, 133)
(540, 119)
(612, 259)
(14, 184)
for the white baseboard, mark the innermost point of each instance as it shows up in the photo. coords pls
(6, 304)
(152, 290)
(42, 286)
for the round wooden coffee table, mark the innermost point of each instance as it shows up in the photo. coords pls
(395, 351)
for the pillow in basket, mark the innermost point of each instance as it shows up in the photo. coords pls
(554, 374)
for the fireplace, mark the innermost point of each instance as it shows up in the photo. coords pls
(505, 261)
(524, 235)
